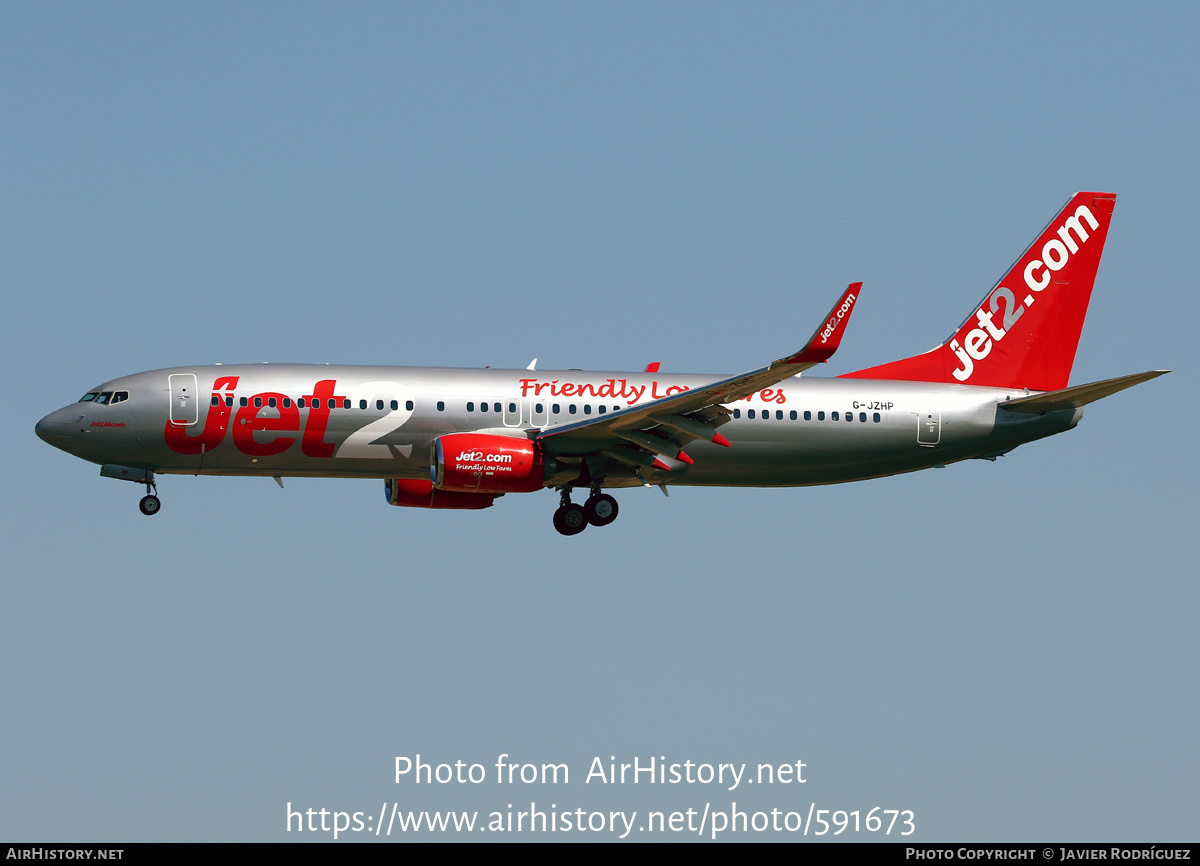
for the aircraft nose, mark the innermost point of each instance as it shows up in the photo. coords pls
(55, 427)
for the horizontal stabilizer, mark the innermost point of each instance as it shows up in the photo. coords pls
(1079, 395)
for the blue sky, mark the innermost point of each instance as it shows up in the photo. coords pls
(1009, 650)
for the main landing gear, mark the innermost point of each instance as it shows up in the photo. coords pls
(600, 509)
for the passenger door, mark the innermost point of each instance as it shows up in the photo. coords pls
(185, 407)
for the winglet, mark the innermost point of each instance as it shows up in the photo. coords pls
(828, 336)
(652, 367)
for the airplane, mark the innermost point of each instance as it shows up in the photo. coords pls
(451, 438)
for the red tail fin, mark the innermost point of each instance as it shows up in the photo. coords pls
(1025, 332)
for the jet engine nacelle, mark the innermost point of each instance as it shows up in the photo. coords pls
(486, 463)
(418, 493)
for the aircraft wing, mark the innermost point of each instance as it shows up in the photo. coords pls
(696, 413)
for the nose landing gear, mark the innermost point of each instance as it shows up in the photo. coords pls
(150, 503)
(600, 509)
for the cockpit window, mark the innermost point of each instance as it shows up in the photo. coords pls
(103, 397)
(88, 397)
(119, 397)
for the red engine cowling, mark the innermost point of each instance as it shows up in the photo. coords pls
(418, 493)
(486, 463)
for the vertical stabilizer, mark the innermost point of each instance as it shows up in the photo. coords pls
(1025, 332)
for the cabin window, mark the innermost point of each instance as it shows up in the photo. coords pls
(862, 416)
(229, 401)
(556, 408)
(470, 406)
(807, 415)
(538, 408)
(378, 405)
(216, 401)
(833, 416)
(737, 413)
(496, 407)
(571, 409)
(258, 402)
(601, 409)
(287, 402)
(395, 405)
(779, 414)
(345, 403)
(821, 416)
(441, 406)
(300, 402)
(271, 402)
(876, 418)
(408, 404)
(587, 408)
(242, 402)
(483, 407)
(850, 417)
(750, 414)
(512, 407)
(792, 416)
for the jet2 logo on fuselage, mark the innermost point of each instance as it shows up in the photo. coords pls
(271, 412)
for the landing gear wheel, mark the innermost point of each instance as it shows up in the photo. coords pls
(150, 505)
(600, 510)
(570, 520)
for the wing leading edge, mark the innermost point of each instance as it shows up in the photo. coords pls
(635, 436)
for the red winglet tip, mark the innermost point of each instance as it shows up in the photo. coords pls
(683, 458)
(828, 337)
(721, 440)
(652, 367)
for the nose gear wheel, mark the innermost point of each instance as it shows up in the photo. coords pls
(150, 503)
